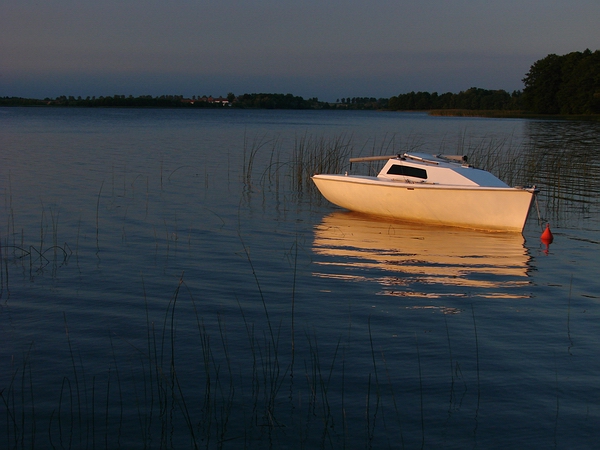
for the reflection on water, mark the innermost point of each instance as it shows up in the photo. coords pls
(174, 322)
(410, 260)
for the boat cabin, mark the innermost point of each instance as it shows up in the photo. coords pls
(446, 170)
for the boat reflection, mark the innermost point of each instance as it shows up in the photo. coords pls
(421, 261)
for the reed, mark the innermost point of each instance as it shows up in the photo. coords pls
(250, 151)
(517, 164)
(371, 429)
(477, 363)
(308, 155)
(278, 384)
(226, 404)
(98, 216)
(568, 177)
(37, 258)
(150, 395)
(313, 155)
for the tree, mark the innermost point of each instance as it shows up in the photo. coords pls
(568, 84)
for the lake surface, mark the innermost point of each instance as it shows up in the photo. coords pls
(166, 282)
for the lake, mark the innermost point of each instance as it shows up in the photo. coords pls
(167, 281)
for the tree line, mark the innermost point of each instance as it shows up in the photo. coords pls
(472, 99)
(142, 101)
(568, 84)
(275, 101)
(256, 101)
(362, 103)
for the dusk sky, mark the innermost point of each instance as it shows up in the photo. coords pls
(326, 49)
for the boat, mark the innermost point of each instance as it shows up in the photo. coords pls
(432, 189)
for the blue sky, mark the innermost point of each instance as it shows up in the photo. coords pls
(327, 49)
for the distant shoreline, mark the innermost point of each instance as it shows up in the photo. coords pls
(501, 114)
(300, 104)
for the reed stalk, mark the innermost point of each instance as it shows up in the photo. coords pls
(3, 271)
(568, 178)
(98, 218)
(249, 156)
(377, 391)
(166, 410)
(477, 363)
(422, 410)
(312, 155)
(75, 377)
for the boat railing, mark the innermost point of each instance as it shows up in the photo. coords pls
(373, 158)
(420, 159)
(455, 158)
(449, 158)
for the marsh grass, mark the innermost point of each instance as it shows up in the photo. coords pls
(565, 169)
(270, 390)
(567, 174)
(153, 394)
(36, 258)
(312, 155)
(251, 149)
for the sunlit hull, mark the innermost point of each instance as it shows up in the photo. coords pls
(486, 208)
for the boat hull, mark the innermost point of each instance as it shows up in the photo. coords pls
(485, 208)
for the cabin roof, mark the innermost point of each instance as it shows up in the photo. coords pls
(422, 168)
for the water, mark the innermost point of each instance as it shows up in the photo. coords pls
(156, 294)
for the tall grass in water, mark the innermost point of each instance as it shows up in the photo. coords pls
(296, 163)
(565, 168)
(35, 257)
(307, 155)
(567, 173)
(251, 150)
(318, 155)
(312, 155)
(498, 156)
(163, 392)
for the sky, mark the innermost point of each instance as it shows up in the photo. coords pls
(328, 49)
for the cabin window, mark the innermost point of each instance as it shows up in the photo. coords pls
(407, 171)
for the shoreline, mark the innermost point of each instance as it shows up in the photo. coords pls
(170, 104)
(500, 114)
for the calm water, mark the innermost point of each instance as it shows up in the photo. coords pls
(157, 293)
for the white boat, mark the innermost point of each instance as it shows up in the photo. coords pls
(441, 190)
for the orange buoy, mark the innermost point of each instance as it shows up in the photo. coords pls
(547, 236)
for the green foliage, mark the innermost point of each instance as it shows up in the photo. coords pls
(568, 84)
(362, 103)
(19, 101)
(471, 99)
(258, 101)
(143, 101)
(163, 101)
(272, 101)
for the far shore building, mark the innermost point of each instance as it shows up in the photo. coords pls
(210, 99)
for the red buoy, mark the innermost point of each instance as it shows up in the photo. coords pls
(547, 236)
